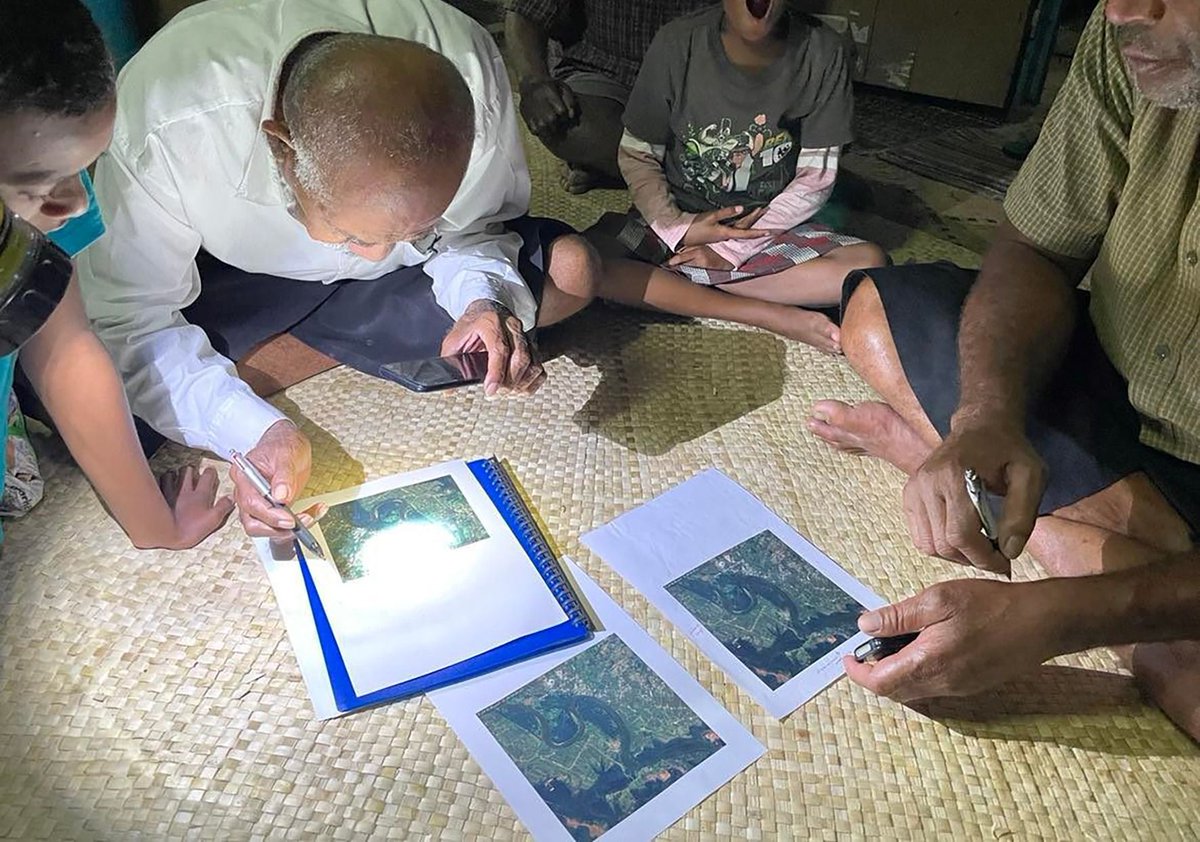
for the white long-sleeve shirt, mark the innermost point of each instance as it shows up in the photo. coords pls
(189, 168)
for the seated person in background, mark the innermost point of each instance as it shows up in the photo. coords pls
(573, 101)
(740, 109)
(1084, 410)
(348, 184)
(56, 116)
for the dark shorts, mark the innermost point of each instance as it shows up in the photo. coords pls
(587, 82)
(363, 324)
(1084, 426)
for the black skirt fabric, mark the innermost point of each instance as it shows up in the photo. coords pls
(363, 324)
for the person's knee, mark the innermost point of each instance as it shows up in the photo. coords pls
(866, 335)
(867, 256)
(1134, 508)
(575, 266)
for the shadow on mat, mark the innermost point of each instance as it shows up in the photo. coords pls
(1068, 706)
(333, 468)
(666, 380)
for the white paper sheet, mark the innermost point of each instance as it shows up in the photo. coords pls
(462, 704)
(288, 586)
(657, 543)
(418, 609)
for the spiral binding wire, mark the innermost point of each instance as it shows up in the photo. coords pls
(544, 559)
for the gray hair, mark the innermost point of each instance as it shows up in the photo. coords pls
(324, 106)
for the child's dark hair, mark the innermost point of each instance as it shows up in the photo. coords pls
(52, 59)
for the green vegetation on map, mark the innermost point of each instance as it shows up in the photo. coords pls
(399, 525)
(599, 736)
(769, 607)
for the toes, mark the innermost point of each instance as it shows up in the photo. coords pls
(828, 410)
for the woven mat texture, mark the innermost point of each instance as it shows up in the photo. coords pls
(155, 695)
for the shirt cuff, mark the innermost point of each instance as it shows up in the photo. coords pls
(240, 422)
(672, 232)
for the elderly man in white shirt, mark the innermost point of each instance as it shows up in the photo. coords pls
(349, 171)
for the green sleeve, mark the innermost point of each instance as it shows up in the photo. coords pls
(1065, 195)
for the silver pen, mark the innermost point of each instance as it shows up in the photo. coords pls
(979, 500)
(260, 483)
(975, 491)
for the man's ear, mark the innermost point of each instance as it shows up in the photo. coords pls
(279, 137)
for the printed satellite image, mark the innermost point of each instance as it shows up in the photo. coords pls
(399, 525)
(768, 606)
(599, 736)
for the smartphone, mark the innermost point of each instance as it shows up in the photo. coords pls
(435, 373)
(737, 217)
(878, 648)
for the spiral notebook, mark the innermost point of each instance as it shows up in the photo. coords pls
(430, 577)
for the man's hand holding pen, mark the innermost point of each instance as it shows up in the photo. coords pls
(941, 517)
(971, 634)
(283, 457)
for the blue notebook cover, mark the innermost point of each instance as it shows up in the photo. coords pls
(500, 490)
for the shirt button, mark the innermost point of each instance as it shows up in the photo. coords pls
(1162, 351)
(1192, 258)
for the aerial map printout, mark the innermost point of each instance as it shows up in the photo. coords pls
(763, 603)
(610, 738)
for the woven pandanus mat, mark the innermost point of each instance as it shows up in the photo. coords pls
(155, 695)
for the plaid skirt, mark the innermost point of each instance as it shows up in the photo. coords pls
(801, 244)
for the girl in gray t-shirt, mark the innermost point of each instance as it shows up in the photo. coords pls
(732, 136)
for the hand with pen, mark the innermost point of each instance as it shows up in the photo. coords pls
(942, 519)
(284, 458)
(970, 634)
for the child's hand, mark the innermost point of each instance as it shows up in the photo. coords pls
(702, 257)
(720, 225)
(194, 503)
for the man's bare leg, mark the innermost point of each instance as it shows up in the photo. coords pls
(642, 285)
(1126, 525)
(896, 430)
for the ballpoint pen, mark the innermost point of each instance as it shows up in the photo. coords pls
(976, 492)
(263, 487)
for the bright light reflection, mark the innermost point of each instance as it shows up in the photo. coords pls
(386, 550)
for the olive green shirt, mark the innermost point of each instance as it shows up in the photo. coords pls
(1113, 180)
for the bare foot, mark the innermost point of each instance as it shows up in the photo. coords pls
(869, 429)
(1169, 674)
(811, 328)
(577, 181)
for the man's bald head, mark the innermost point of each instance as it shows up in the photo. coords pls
(375, 119)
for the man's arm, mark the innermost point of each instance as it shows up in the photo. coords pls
(135, 281)
(1157, 602)
(474, 268)
(75, 378)
(548, 106)
(1015, 327)
(1017, 322)
(1013, 334)
(975, 634)
(527, 41)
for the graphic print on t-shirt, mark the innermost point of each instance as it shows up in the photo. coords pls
(724, 166)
